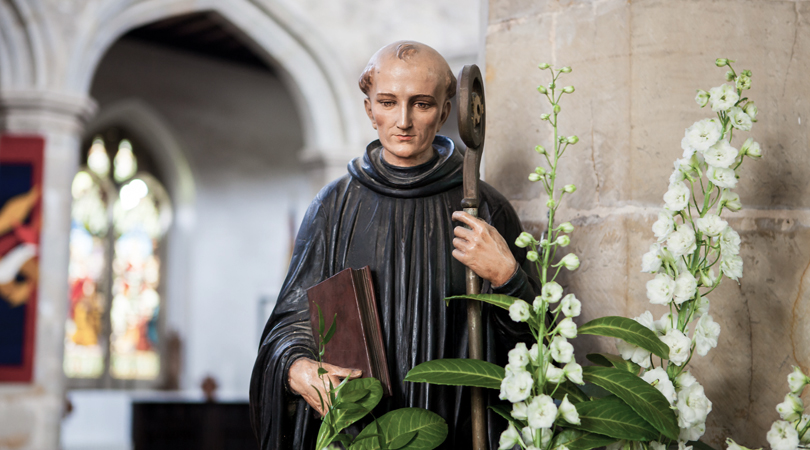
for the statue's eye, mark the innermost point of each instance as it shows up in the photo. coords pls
(422, 105)
(386, 103)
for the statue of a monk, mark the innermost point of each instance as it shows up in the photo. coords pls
(394, 212)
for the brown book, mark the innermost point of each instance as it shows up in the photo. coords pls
(357, 342)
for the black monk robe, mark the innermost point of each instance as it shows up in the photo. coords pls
(398, 222)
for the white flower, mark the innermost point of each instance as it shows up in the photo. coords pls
(692, 433)
(662, 383)
(655, 445)
(685, 287)
(528, 436)
(731, 200)
(751, 149)
(573, 372)
(652, 260)
(509, 438)
(682, 241)
(702, 304)
(679, 346)
(542, 412)
(519, 356)
(539, 305)
(682, 446)
(677, 197)
(561, 350)
(646, 319)
(803, 423)
(702, 98)
(570, 261)
(752, 110)
(731, 445)
(554, 374)
(571, 306)
(723, 97)
(729, 242)
(677, 175)
(721, 154)
(664, 324)
(688, 150)
(732, 266)
(711, 224)
(534, 354)
(519, 410)
(797, 380)
(567, 328)
(782, 436)
(519, 311)
(684, 380)
(568, 411)
(551, 292)
(739, 119)
(703, 134)
(632, 353)
(664, 226)
(660, 289)
(516, 385)
(706, 333)
(722, 177)
(693, 406)
(791, 409)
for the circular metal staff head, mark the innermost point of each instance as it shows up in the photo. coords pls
(471, 107)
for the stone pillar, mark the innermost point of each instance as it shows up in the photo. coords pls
(30, 414)
(636, 66)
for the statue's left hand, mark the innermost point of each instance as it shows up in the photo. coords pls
(483, 249)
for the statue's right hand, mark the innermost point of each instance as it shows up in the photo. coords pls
(304, 380)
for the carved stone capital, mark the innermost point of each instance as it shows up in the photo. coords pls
(45, 112)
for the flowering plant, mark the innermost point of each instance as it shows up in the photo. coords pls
(626, 400)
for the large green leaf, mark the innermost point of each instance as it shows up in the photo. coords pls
(581, 440)
(458, 372)
(610, 360)
(499, 300)
(399, 425)
(646, 400)
(627, 330)
(355, 399)
(612, 417)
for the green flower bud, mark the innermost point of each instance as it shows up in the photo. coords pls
(543, 116)
(570, 261)
(556, 109)
(540, 170)
(720, 62)
(569, 189)
(524, 240)
(543, 66)
(540, 149)
(534, 177)
(730, 75)
(568, 89)
(541, 89)
(572, 139)
(531, 255)
(551, 202)
(566, 227)
(747, 73)
(702, 98)
(563, 240)
(552, 85)
(752, 110)
(751, 149)
(565, 69)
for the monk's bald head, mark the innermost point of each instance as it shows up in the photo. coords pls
(410, 52)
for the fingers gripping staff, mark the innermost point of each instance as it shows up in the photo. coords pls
(472, 127)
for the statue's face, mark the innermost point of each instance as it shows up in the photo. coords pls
(407, 106)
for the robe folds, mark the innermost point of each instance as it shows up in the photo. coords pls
(397, 221)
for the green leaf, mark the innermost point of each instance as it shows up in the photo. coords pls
(343, 417)
(331, 331)
(575, 394)
(610, 360)
(458, 372)
(644, 399)
(344, 439)
(627, 330)
(499, 300)
(581, 440)
(430, 429)
(352, 396)
(321, 326)
(322, 371)
(700, 445)
(612, 417)
(593, 391)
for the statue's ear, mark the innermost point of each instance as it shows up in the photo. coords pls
(448, 106)
(369, 113)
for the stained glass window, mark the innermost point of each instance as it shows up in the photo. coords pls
(119, 217)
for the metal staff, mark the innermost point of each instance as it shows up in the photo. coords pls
(471, 128)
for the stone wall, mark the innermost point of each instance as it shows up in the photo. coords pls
(636, 65)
